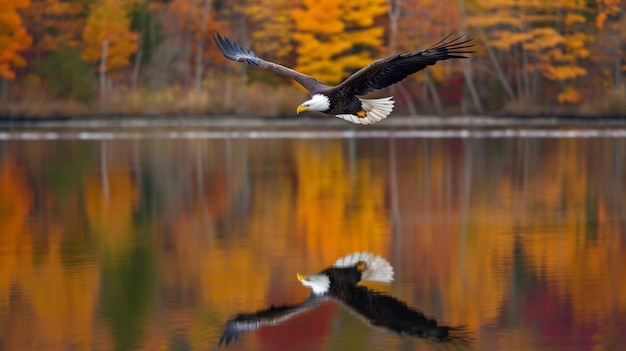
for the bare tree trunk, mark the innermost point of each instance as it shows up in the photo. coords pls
(137, 65)
(103, 66)
(467, 67)
(497, 66)
(409, 100)
(525, 73)
(4, 89)
(617, 68)
(394, 9)
(197, 82)
(428, 81)
(518, 74)
(197, 79)
(394, 14)
(139, 53)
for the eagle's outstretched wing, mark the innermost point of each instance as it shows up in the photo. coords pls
(235, 52)
(387, 312)
(245, 322)
(387, 71)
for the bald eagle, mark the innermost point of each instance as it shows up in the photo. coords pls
(342, 100)
(341, 283)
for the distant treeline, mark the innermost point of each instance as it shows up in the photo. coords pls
(151, 57)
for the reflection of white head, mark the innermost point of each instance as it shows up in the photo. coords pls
(320, 283)
(376, 269)
(372, 268)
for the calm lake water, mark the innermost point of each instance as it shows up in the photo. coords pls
(152, 240)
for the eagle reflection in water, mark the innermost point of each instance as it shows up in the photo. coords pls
(340, 283)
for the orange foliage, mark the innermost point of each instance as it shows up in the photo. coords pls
(56, 23)
(13, 37)
(606, 10)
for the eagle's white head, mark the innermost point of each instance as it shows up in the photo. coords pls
(318, 102)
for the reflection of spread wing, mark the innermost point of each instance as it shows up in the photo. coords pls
(387, 312)
(245, 322)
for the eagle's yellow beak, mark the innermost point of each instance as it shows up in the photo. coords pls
(301, 108)
(300, 276)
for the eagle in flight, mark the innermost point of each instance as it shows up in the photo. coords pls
(342, 100)
(340, 283)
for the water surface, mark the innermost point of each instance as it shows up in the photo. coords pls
(151, 240)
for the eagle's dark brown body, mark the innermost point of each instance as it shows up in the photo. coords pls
(377, 75)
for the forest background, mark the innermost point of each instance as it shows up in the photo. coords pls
(149, 57)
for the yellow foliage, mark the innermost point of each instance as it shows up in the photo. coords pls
(494, 20)
(556, 51)
(574, 18)
(109, 23)
(272, 25)
(505, 40)
(327, 31)
(544, 38)
(570, 95)
(562, 73)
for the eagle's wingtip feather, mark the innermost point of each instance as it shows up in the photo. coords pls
(234, 52)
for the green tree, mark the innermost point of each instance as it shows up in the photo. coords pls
(67, 76)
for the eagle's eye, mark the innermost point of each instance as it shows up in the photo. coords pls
(360, 266)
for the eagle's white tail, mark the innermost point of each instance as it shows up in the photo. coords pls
(377, 269)
(375, 110)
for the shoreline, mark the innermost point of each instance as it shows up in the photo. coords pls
(236, 122)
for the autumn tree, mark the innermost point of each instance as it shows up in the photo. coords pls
(13, 37)
(108, 38)
(335, 38)
(437, 19)
(186, 27)
(535, 40)
(611, 36)
(145, 23)
(271, 25)
(56, 23)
